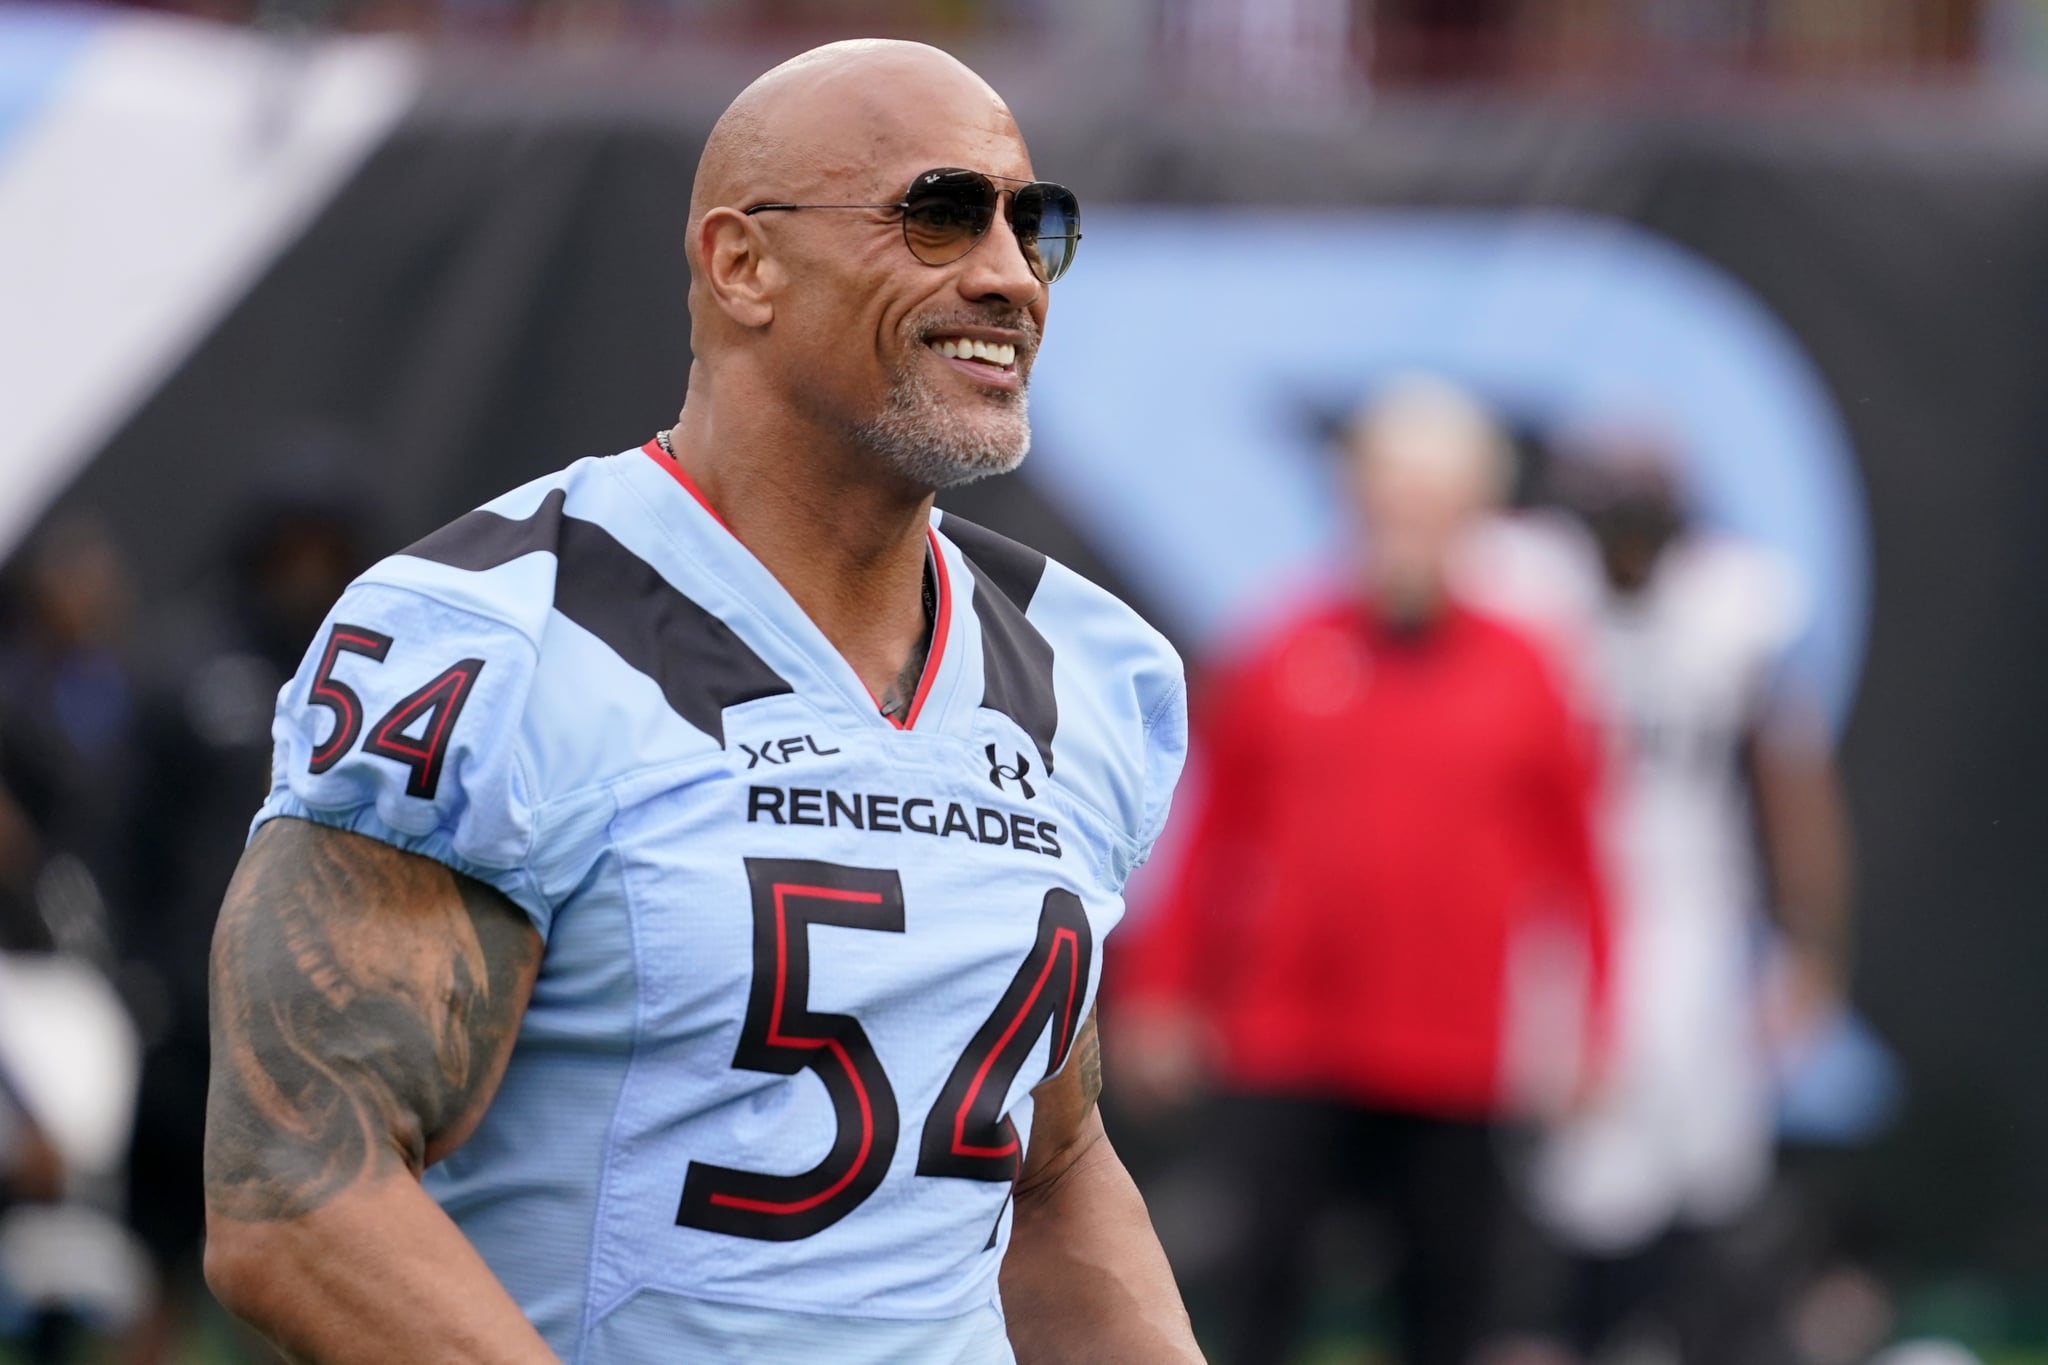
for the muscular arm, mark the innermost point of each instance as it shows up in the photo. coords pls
(364, 1004)
(1085, 1280)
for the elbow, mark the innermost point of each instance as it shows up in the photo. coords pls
(240, 1262)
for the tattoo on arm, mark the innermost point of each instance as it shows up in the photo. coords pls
(364, 1000)
(1088, 1061)
(1064, 1124)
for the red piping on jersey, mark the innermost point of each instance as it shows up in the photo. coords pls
(662, 458)
(349, 720)
(944, 614)
(777, 1038)
(391, 736)
(937, 652)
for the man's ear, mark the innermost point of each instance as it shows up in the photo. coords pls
(738, 271)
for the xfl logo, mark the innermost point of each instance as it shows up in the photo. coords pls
(999, 772)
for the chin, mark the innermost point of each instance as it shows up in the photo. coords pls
(953, 464)
(939, 446)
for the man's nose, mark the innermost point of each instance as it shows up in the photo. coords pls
(999, 268)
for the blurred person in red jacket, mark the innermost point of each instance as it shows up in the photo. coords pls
(1396, 808)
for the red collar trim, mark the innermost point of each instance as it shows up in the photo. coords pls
(663, 458)
(940, 625)
(937, 653)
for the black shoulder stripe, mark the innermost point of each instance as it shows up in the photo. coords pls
(1014, 568)
(483, 539)
(701, 666)
(1016, 659)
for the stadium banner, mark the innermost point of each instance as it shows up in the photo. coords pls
(150, 168)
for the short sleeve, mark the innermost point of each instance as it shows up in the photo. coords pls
(1166, 753)
(407, 723)
(1770, 597)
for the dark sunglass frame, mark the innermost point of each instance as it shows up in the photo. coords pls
(1035, 258)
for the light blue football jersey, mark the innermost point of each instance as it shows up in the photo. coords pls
(803, 965)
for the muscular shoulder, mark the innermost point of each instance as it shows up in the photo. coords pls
(465, 698)
(1097, 688)
(1077, 615)
(629, 669)
(559, 544)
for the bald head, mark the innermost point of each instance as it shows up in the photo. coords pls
(1425, 429)
(824, 125)
(824, 328)
(1428, 462)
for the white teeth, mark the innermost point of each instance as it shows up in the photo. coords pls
(1001, 353)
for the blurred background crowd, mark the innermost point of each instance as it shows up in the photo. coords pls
(1391, 40)
(1587, 452)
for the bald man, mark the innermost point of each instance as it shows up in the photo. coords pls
(673, 931)
(1396, 809)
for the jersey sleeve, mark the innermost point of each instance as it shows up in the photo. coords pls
(1784, 705)
(407, 722)
(1166, 751)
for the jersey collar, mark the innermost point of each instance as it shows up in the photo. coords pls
(935, 564)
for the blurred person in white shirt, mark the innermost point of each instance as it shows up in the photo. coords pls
(1722, 801)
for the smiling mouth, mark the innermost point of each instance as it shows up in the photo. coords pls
(998, 356)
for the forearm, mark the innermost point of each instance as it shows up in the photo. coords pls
(1805, 836)
(378, 1274)
(1085, 1279)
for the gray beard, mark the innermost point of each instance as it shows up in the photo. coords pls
(935, 444)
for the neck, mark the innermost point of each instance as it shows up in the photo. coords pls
(1408, 608)
(845, 539)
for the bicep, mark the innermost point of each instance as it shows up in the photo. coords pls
(364, 1004)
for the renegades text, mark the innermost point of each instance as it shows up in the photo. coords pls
(902, 815)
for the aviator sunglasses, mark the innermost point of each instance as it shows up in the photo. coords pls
(946, 213)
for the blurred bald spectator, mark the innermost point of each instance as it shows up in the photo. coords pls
(203, 760)
(1723, 804)
(1394, 799)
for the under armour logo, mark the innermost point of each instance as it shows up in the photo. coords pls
(999, 770)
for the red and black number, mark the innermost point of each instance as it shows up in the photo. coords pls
(967, 1133)
(337, 696)
(782, 1036)
(432, 709)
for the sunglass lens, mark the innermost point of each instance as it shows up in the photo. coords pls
(945, 213)
(1047, 221)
